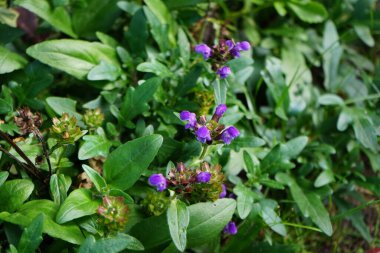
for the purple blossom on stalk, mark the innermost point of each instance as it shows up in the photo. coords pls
(204, 50)
(224, 192)
(220, 110)
(203, 177)
(244, 45)
(230, 228)
(229, 44)
(190, 117)
(159, 181)
(224, 72)
(229, 134)
(203, 134)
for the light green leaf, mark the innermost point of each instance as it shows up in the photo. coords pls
(104, 71)
(3, 177)
(10, 61)
(245, 199)
(94, 145)
(13, 193)
(220, 91)
(59, 185)
(330, 99)
(309, 203)
(32, 236)
(63, 105)
(310, 11)
(125, 164)
(364, 34)
(178, 219)
(76, 57)
(8, 16)
(57, 17)
(95, 177)
(112, 244)
(365, 132)
(270, 217)
(154, 67)
(78, 204)
(326, 177)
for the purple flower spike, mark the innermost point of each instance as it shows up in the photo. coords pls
(190, 117)
(244, 45)
(203, 134)
(223, 72)
(220, 110)
(204, 50)
(224, 192)
(159, 181)
(230, 228)
(229, 134)
(203, 177)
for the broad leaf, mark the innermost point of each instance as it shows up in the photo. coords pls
(311, 11)
(112, 244)
(125, 164)
(10, 61)
(13, 193)
(76, 57)
(78, 204)
(94, 145)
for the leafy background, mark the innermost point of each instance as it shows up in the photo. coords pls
(305, 98)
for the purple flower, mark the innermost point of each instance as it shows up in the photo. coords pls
(203, 134)
(230, 228)
(229, 134)
(220, 110)
(223, 72)
(224, 192)
(159, 181)
(244, 45)
(235, 52)
(204, 50)
(230, 44)
(190, 117)
(203, 177)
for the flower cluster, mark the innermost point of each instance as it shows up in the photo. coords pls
(194, 185)
(210, 131)
(113, 213)
(221, 53)
(93, 118)
(65, 129)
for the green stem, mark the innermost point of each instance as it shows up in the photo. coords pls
(359, 99)
(204, 152)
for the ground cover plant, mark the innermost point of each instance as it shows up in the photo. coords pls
(189, 126)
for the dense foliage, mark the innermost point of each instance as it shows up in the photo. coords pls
(189, 125)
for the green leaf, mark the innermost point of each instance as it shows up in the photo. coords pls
(330, 99)
(137, 33)
(326, 177)
(220, 91)
(95, 177)
(125, 164)
(8, 16)
(245, 199)
(279, 157)
(309, 203)
(135, 100)
(185, 48)
(30, 210)
(207, 220)
(364, 34)
(75, 57)
(59, 185)
(94, 145)
(5, 106)
(13, 193)
(332, 52)
(270, 217)
(10, 61)
(32, 236)
(63, 105)
(112, 244)
(154, 67)
(310, 12)
(3, 177)
(104, 71)
(78, 204)
(178, 220)
(365, 132)
(247, 142)
(57, 17)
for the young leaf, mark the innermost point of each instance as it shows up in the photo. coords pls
(32, 236)
(365, 132)
(78, 204)
(245, 199)
(178, 220)
(311, 11)
(125, 164)
(94, 145)
(59, 185)
(63, 105)
(13, 193)
(95, 177)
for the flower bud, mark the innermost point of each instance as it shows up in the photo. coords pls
(230, 228)
(65, 129)
(159, 181)
(204, 50)
(93, 118)
(203, 177)
(229, 134)
(224, 72)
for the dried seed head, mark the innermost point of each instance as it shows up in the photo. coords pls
(27, 121)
